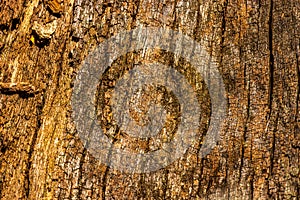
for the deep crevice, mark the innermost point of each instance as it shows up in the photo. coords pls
(273, 146)
(165, 185)
(245, 126)
(223, 27)
(271, 59)
(298, 77)
(39, 109)
(252, 174)
(31, 149)
(104, 181)
(79, 180)
(14, 24)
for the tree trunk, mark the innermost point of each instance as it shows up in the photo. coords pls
(255, 45)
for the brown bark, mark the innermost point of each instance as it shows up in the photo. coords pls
(256, 45)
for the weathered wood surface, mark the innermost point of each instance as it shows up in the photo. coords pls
(256, 44)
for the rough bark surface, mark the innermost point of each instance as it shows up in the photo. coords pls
(256, 45)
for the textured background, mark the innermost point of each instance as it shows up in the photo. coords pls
(255, 43)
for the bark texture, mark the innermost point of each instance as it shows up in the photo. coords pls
(256, 45)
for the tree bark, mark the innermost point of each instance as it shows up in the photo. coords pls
(256, 46)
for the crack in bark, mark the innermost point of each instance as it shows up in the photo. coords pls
(24, 89)
(252, 174)
(31, 150)
(165, 185)
(108, 160)
(273, 146)
(298, 77)
(223, 28)
(271, 59)
(104, 182)
(80, 176)
(247, 83)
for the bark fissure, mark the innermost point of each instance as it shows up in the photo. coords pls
(80, 176)
(298, 79)
(271, 58)
(245, 131)
(104, 182)
(32, 146)
(273, 146)
(165, 184)
(39, 110)
(223, 26)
